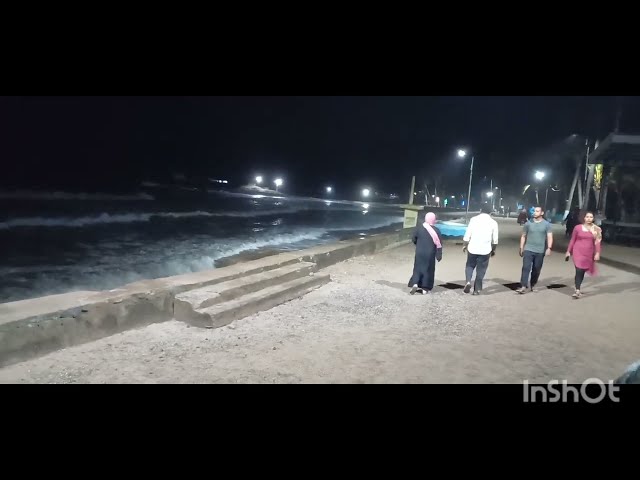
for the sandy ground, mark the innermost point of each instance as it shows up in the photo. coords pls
(364, 327)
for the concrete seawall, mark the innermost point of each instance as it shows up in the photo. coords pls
(34, 327)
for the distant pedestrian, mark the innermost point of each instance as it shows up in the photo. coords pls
(480, 242)
(536, 242)
(428, 242)
(523, 217)
(585, 246)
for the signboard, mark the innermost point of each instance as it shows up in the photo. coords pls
(597, 179)
(410, 218)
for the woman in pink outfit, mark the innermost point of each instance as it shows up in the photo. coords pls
(585, 244)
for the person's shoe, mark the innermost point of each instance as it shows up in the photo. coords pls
(521, 290)
(477, 292)
(531, 289)
(577, 295)
(414, 289)
(467, 288)
(424, 292)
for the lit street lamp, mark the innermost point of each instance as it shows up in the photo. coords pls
(499, 197)
(490, 195)
(329, 189)
(278, 182)
(258, 180)
(463, 154)
(539, 177)
(366, 192)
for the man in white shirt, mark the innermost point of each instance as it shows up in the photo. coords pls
(480, 242)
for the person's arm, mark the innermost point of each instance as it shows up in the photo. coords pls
(439, 250)
(467, 237)
(598, 244)
(549, 240)
(414, 239)
(523, 238)
(494, 239)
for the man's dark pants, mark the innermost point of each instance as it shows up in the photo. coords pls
(479, 263)
(531, 264)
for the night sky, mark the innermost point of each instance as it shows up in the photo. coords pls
(113, 143)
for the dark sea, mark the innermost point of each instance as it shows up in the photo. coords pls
(59, 242)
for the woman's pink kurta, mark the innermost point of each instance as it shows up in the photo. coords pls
(583, 247)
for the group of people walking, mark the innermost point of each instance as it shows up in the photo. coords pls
(481, 241)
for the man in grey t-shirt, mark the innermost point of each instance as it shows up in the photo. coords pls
(536, 242)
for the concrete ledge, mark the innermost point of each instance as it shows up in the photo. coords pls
(62, 327)
(31, 328)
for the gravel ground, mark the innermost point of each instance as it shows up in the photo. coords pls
(365, 328)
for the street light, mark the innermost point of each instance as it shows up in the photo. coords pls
(329, 189)
(463, 154)
(278, 182)
(554, 188)
(258, 180)
(499, 197)
(539, 177)
(366, 192)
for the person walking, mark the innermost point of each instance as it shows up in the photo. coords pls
(480, 242)
(585, 246)
(428, 242)
(536, 243)
(523, 217)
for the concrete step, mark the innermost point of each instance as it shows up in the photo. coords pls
(210, 295)
(222, 314)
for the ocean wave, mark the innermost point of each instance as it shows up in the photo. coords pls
(105, 268)
(29, 195)
(109, 218)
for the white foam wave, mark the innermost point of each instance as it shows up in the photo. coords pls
(107, 269)
(107, 218)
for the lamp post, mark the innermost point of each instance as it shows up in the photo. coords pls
(463, 154)
(499, 197)
(554, 188)
(490, 195)
(539, 177)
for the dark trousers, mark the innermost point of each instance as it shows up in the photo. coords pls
(531, 264)
(579, 277)
(479, 263)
